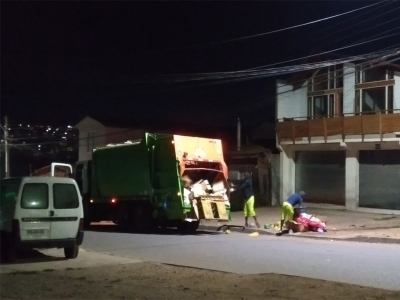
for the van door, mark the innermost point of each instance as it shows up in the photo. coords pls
(67, 208)
(33, 212)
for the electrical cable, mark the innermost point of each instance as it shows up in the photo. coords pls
(130, 130)
(323, 31)
(248, 71)
(280, 30)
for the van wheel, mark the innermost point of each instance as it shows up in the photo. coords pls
(71, 252)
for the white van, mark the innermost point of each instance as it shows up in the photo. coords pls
(40, 212)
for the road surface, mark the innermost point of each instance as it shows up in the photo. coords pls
(372, 265)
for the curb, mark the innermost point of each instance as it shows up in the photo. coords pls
(360, 239)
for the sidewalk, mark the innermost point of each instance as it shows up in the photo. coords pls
(341, 224)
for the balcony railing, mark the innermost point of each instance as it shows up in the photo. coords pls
(344, 125)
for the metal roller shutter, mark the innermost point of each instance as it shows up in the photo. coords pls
(380, 179)
(321, 174)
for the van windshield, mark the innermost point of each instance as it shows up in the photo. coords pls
(9, 190)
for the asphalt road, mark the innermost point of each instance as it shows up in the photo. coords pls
(373, 265)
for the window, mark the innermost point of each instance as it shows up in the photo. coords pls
(310, 107)
(390, 99)
(357, 108)
(65, 196)
(35, 196)
(321, 105)
(325, 105)
(373, 74)
(327, 78)
(339, 78)
(321, 81)
(374, 99)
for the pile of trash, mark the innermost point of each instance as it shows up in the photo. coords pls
(302, 223)
(203, 188)
(310, 223)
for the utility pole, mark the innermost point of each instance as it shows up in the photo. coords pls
(6, 150)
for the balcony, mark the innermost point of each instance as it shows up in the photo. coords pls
(375, 123)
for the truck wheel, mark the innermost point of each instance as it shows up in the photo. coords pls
(194, 226)
(143, 220)
(71, 252)
(123, 219)
(188, 227)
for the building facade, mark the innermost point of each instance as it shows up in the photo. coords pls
(94, 133)
(338, 130)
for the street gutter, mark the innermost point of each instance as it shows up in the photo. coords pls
(360, 239)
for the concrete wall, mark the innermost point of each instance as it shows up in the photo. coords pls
(349, 81)
(352, 179)
(275, 179)
(287, 171)
(102, 136)
(89, 125)
(291, 103)
(352, 173)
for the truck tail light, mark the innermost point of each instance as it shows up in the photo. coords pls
(113, 200)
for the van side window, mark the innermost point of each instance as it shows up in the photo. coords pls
(65, 196)
(35, 196)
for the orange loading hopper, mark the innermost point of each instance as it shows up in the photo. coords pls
(204, 151)
(199, 149)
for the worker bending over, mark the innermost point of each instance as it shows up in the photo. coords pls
(288, 208)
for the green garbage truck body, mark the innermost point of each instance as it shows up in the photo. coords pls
(162, 180)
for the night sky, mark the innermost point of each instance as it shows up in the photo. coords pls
(61, 61)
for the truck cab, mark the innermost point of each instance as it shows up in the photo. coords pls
(40, 212)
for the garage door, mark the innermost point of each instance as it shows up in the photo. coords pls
(321, 174)
(380, 179)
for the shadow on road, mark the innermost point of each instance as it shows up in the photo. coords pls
(109, 227)
(32, 256)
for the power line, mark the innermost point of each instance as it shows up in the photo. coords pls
(325, 80)
(271, 71)
(358, 32)
(279, 30)
(330, 51)
(256, 69)
(130, 130)
(259, 75)
(385, 3)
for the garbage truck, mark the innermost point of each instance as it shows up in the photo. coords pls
(162, 180)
